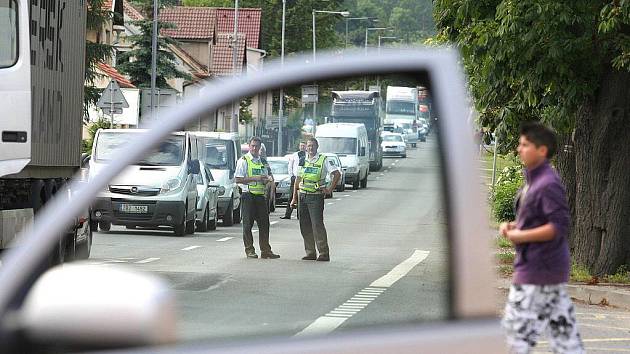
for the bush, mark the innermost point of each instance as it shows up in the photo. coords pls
(502, 198)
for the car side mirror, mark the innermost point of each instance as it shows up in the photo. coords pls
(95, 293)
(194, 167)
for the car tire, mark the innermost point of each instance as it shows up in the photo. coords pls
(83, 249)
(203, 225)
(180, 230)
(364, 182)
(104, 225)
(355, 184)
(228, 217)
(190, 227)
(404, 156)
(413, 145)
(212, 224)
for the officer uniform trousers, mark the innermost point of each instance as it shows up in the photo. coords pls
(311, 211)
(255, 208)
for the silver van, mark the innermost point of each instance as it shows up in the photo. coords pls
(159, 190)
(220, 152)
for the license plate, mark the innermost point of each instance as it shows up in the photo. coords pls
(134, 209)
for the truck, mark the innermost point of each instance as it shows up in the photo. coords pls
(401, 109)
(361, 107)
(42, 56)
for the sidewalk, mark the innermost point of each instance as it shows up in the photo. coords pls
(604, 294)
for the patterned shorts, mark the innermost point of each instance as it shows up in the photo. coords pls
(532, 310)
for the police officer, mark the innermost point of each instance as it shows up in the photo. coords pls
(295, 162)
(252, 175)
(312, 188)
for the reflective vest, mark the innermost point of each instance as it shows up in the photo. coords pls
(255, 169)
(312, 174)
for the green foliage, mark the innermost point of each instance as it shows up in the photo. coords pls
(509, 181)
(245, 113)
(136, 63)
(92, 128)
(94, 53)
(502, 242)
(505, 257)
(535, 59)
(580, 273)
(622, 276)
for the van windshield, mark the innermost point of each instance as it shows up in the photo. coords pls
(339, 146)
(168, 153)
(216, 153)
(392, 138)
(8, 33)
(401, 107)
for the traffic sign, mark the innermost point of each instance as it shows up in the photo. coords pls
(112, 96)
(116, 110)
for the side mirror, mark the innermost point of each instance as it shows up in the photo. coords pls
(194, 167)
(73, 306)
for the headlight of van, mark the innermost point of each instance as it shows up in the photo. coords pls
(171, 185)
(351, 169)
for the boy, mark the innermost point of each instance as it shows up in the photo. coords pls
(538, 301)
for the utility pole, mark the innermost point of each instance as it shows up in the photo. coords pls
(280, 108)
(154, 41)
(234, 120)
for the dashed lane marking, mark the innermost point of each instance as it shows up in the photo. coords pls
(330, 203)
(148, 260)
(190, 248)
(224, 239)
(273, 223)
(336, 317)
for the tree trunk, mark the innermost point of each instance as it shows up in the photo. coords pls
(602, 162)
(565, 163)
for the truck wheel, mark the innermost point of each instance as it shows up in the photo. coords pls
(180, 230)
(228, 217)
(104, 225)
(364, 182)
(203, 225)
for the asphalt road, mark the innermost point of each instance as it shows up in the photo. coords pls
(388, 262)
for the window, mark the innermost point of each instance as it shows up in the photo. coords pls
(279, 167)
(8, 33)
(401, 107)
(392, 138)
(339, 146)
(168, 153)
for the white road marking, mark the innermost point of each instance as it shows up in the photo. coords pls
(354, 191)
(330, 203)
(224, 239)
(346, 195)
(273, 223)
(333, 319)
(148, 260)
(401, 270)
(337, 198)
(190, 248)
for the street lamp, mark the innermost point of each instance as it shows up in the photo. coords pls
(348, 19)
(154, 51)
(234, 121)
(342, 13)
(367, 30)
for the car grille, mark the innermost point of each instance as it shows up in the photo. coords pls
(135, 190)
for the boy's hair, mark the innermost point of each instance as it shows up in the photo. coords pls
(540, 135)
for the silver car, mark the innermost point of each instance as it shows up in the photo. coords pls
(207, 200)
(341, 185)
(280, 169)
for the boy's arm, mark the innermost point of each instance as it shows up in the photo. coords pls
(542, 233)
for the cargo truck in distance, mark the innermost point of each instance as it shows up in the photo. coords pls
(401, 109)
(42, 55)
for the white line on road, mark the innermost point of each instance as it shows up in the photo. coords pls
(401, 270)
(333, 319)
(397, 160)
(337, 198)
(190, 248)
(273, 223)
(330, 203)
(148, 260)
(346, 195)
(224, 239)
(382, 174)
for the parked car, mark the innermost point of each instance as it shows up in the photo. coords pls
(282, 179)
(208, 191)
(394, 145)
(341, 185)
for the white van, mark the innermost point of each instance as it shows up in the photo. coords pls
(159, 190)
(220, 153)
(350, 142)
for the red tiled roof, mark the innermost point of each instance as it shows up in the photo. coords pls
(222, 54)
(248, 23)
(191, 22)
(131, 12)
(114, 74)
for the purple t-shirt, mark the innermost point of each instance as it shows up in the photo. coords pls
(544, 201)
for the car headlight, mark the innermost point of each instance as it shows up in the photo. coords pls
(351, 169)
(171, 185)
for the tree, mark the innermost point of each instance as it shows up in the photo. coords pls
(566, 64)
(136, 63)
(94, 53)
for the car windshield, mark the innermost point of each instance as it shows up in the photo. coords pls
(401, 107)
(8, 33)
(215, 153)
(279, 167)
(168, 153)
(392, 138)
(339, 146)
